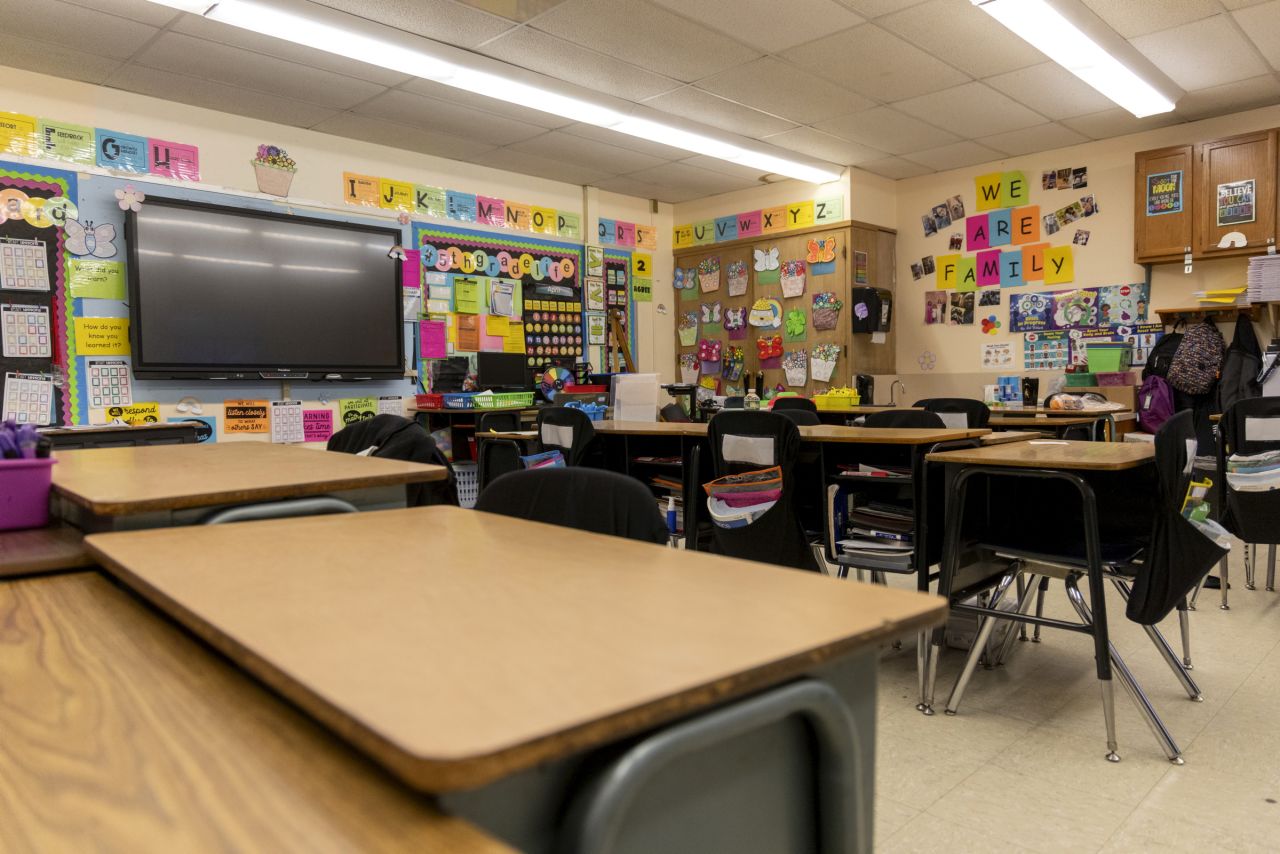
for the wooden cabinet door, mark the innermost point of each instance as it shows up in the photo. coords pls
(866, 356)
(1163, 204)
(1226, 165)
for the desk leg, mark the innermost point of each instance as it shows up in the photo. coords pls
(956, 489)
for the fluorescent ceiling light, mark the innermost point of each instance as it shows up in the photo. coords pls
(357, 39)
(1057, 35)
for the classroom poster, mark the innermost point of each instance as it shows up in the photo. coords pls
(1164, 193)
(1030, 312)
(317, 425)
(353, 409)
(206, 427)
(1045, 351)
(246, 416)
(1236, 202)
(1123, 304)
(136, 413)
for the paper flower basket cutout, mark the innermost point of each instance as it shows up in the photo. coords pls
(793, 278)
(796, 366)
(822, 361)
(688, 368)
(734, 361)
(738, 280)
(130, 199)
(709, 274)
(826, 310)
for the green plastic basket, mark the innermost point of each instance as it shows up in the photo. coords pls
(503, 399)
(1107, 357)
(1080, 380)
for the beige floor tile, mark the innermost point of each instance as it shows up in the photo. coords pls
(1193, 809)
(928, 832)
(891, 817)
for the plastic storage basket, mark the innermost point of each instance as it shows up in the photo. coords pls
(24, 493)
(468, 483)
(504, 399)
(430, 401)
(1108, 357)
(459, 400)
(829, 402)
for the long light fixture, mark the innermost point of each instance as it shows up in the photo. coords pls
(365, 41)
(1082, 43)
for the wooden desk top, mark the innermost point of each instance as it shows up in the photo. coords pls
(816, 433)
(1059, 413)
(1012, 436)
(1054, 454)
(123, 734)
(122, 481)
(50, 549)
(1042, 420)
(459, 656)
(440, 410)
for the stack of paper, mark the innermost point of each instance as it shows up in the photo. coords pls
(1224, 296)
(1264, 278)
(879, 536)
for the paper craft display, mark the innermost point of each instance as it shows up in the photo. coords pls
(795, 364)
(709, 353)
(25, 332)
(1045, 351)
(108, 383)
(732, 364)
(822, 361)
(286, 422)
(794, 325)
(769, 351)
(688, 368)
(688, 328)
(997, 355)
(738, 279)
(245, 416)
(821, 256)
(712, 317)
(766, 313)
(735, 323)
(23, 265)
(962, 309)
(793, 279)
(709, 275)
(990, 325)
(684, 278)
(28, 399)
(317, 425)
(767, 266)
(935, 307)
(826, 311)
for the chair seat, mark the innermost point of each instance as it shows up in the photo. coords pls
(1070, 554)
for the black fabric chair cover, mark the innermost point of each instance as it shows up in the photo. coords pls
(734, 402)
(574, 420)
(399, 438)
(801, 403)
(498, 422)
(902, 418)
(977, 412)
(777, 537)
(593, 500)
(1179, 556)
(497, 457)
(674, 412)
(800, 417)
(1252, 516)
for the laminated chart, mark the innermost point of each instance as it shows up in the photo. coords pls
(25, 330)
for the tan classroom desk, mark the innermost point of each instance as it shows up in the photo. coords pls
(53, 549)
(177, 484)
(1029, 412)
(456, 662)
(816, 433)
(122, 734)
(1053, 454)
(1007, 436)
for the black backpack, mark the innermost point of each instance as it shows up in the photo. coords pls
(1240, 367)
(1198, 360)
(1161, 356)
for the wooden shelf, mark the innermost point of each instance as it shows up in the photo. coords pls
(1220, 312)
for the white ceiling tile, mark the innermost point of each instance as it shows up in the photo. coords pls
(760, 24)
(54, 59)
(142, 11)
(1044, 137)
(539, 51)
(622, 140)
(1262, 25)
(1203, 54)
(1051, 90)
(895, 168)
(876, 8)
(724, 167)
(382, 132)
(74, 27)
(702, 181)
(441, 20)
(514, 10)
(971, 110)
(638, 32)
(628, 186)
(1118, 122)
(691, 103)
(874, 62)
(445, 117)
(888, 130)
(540, 167)
(586, 152)
(963, 35)
(236, 67)
(215, 31)
(461, 97)
(780, 88)
(833, 149)
(956, 155)
(1230, 98)
(1131, 19)
(202, 92)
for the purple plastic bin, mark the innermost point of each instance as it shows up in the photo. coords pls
(24, 493)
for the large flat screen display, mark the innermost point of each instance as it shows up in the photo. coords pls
(224, 292)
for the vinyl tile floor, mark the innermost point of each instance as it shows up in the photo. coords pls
(1022, 766)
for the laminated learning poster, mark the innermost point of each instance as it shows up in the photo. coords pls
(1079, 308)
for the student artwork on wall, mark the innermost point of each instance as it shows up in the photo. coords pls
(821, 256)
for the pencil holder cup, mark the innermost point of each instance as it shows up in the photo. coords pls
(24, 493)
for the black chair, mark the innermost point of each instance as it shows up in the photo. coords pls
(1154, 576)
(803, 404)
(674, 412)
(567, 430)
(498, 422)
(399, 438)
(976, 413)
(496, 457)
(800, 417)
(1247, 428)
(593, 500)
(903, 418)
(743, 441)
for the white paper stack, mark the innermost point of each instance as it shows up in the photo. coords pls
(1264, 278)
(635, 397)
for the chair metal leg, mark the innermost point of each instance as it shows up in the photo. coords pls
(1044, 588)
(1271, 567)
(1223, 567)
(1022, 627)
(1250, 559)
(1184, 623)
(980, 642)
(1108, 685)
(1024, 604)
(1195, 594)
(922, 661)
(1166, 652)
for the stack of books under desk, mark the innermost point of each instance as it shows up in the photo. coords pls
(870, 532)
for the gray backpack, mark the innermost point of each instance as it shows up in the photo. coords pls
(1196, 364)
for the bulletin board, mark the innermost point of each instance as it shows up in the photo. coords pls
(617, 293)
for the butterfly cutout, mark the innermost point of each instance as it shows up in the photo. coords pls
(735, 318)
(769, 348)
(87, 239)
(821, 251)
(767, 260)
(711, 312)
(709, 350)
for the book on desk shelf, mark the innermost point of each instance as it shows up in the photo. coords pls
(870, 534)
(865, 470)
(669, 483)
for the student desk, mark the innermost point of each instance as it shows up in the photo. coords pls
(1084, 471)
(147, 487)
(120, 435)
(123, 734)
(1055, 424)
(461, 423)
(504, 685)
(37, 550)
(1004, 437)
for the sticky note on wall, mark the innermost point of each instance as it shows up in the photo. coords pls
(1001, 224)
(1033, 262)
(1059, 265)
(1026, 225)
(988, 265)
(987, 189)
(1011, 269)
(977, 232)
(966, 275)
(948, 268)
(1013, 189)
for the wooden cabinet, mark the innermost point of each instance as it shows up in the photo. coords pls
(1236, 191)
(1163, 202)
